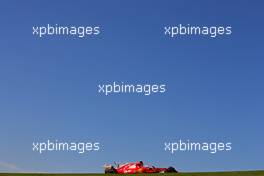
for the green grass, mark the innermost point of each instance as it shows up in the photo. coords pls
(242, 173)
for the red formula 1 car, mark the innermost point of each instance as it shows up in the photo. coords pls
(135, 168)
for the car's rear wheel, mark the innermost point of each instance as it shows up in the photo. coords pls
(111, 170)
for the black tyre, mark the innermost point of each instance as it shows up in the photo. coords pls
(171, 169)
(111, 170)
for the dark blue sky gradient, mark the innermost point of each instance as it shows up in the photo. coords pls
(48, 86)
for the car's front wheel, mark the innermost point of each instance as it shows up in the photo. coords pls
(171, 169)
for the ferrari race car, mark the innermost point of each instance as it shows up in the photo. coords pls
(135, 168)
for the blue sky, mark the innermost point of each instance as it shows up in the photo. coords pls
(48, 86)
